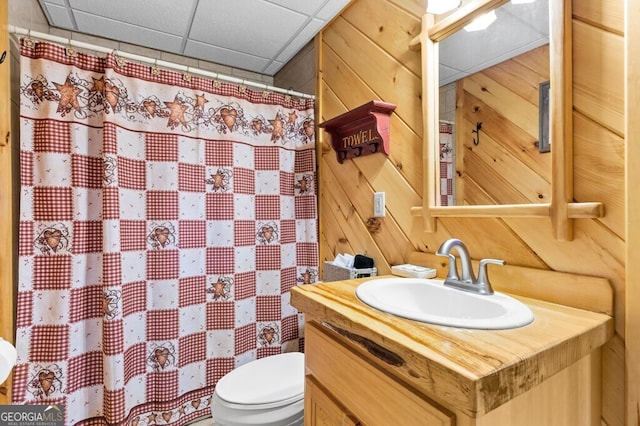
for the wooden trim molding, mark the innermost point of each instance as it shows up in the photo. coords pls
(560, 45)
(632, 170)
(7, 327)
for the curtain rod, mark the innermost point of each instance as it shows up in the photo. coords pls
(156, 62)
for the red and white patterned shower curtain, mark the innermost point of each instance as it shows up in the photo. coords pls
(163, 220)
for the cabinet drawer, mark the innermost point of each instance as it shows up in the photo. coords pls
(321, 409)
(372, 395)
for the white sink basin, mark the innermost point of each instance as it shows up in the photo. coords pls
(428, 300)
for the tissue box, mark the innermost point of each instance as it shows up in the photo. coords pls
(338, 273)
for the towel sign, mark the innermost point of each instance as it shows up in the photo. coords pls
(361, 131)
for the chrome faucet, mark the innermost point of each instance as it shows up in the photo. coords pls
(468, 281)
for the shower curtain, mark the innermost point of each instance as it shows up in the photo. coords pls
(164, 218)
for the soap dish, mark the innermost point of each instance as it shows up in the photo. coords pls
(413, 271)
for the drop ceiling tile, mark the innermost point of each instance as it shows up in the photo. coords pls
(308, 7)
(300, 40)
(219, 55)
(58, 2)
(92, 24)
(256, 28)
(58, 15)
(256, 35)
(160, 15)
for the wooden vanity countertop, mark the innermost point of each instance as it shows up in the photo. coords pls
(474, 370)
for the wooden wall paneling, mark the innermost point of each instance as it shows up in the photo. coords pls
(414, 7)
(598, 170)
(335, 239)
(605, 14)
(594, 251)
(632, 254)
(391, 81)
(388, 26)
(389, 240)
(347, 92)
(405, 152)
(598, 82)
(346, 84)
(340, 84)
(400, 196)
(492, 238)
(355, 232)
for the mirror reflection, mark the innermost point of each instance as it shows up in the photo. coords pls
(494, 110)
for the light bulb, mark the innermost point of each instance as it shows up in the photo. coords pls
(481, 22)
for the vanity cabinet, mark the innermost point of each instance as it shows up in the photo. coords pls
(358, 390)
(365, 367)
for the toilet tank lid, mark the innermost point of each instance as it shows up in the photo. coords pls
(264, 381)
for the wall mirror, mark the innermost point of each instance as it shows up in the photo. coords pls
(489, 112)
(497, 169)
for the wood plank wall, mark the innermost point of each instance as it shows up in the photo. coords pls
(364, 54)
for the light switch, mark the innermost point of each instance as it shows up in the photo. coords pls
(378, 204)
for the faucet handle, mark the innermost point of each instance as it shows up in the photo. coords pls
(452, 272)
(483, 276)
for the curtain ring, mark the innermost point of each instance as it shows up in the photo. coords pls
(242, 88)
(29, 42)
(288, 96)
(69, 50)
(186, 76)
(155, 71)
(119, 60)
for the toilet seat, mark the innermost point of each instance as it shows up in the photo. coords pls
(267, 382)
(267, 391)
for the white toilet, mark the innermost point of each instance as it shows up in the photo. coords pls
(266, 392)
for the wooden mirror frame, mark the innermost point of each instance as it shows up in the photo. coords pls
(562, 210)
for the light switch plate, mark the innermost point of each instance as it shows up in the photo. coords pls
(378, 204)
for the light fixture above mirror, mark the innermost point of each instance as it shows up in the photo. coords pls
(439, 7)
(560, 208)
